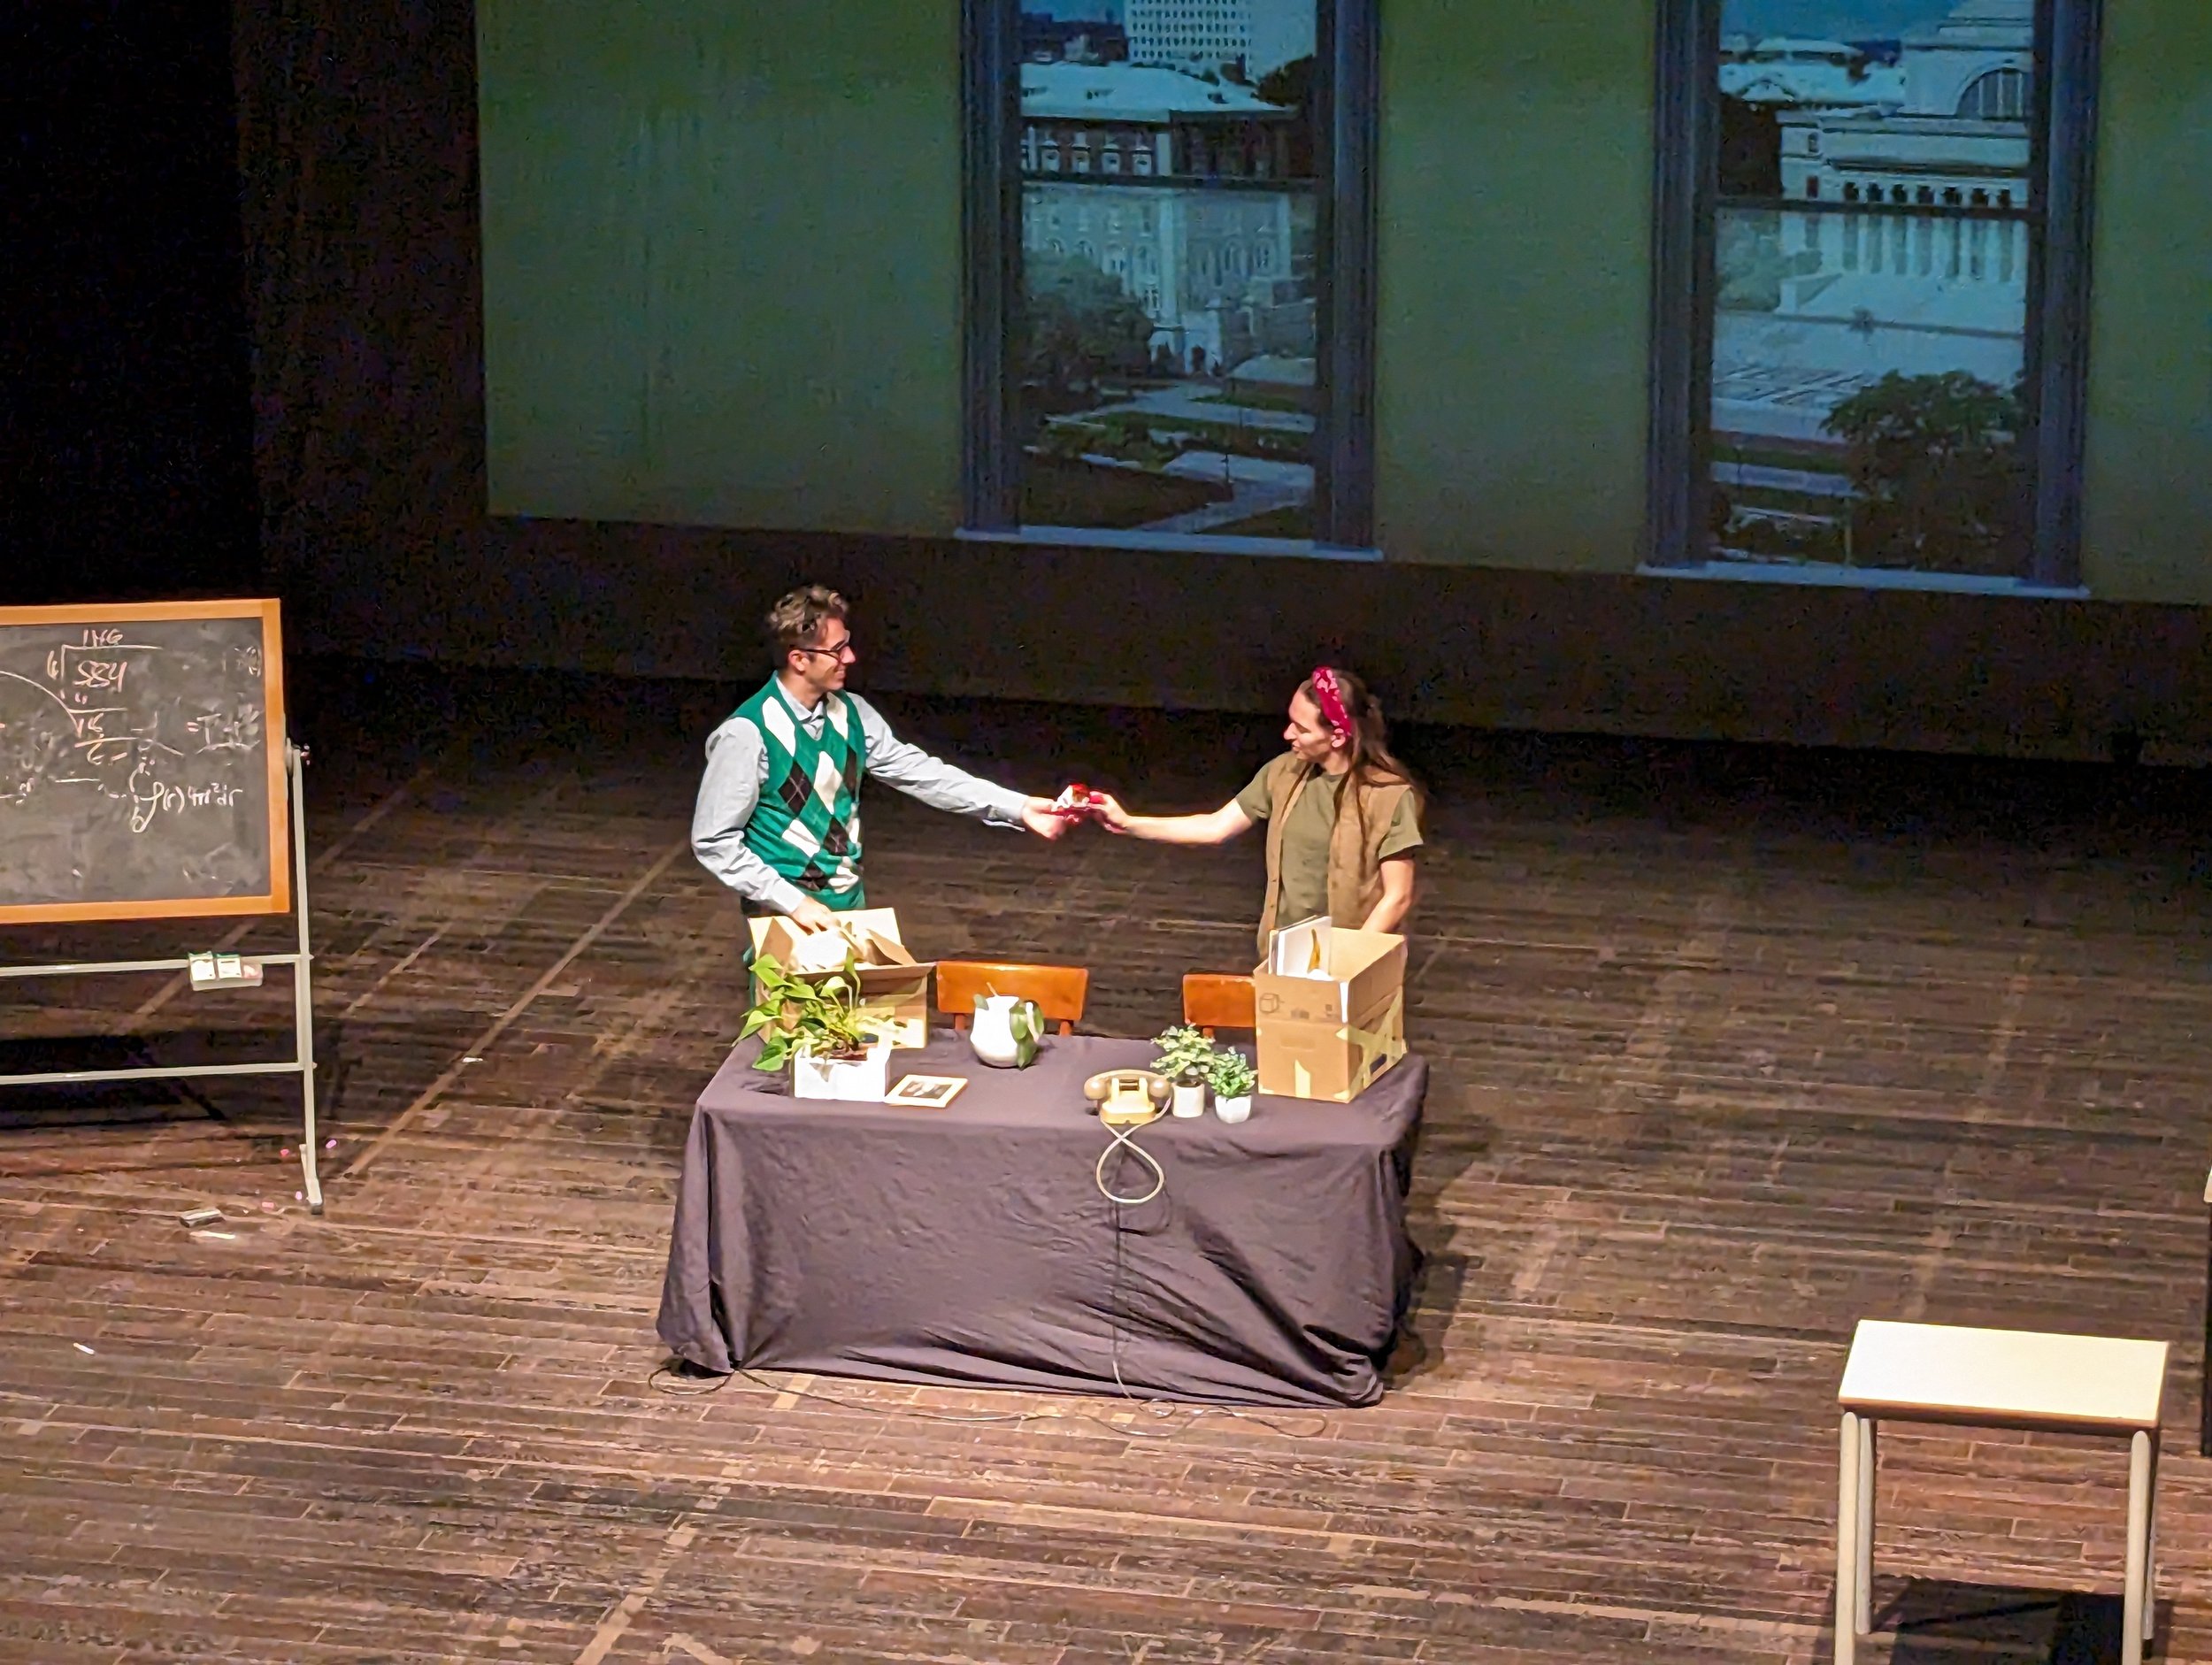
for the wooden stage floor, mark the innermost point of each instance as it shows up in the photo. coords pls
(1732, 1048)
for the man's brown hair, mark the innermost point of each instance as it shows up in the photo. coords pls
(797, 619)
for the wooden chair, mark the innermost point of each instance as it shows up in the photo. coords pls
(1058, 990)
(1212, 1001)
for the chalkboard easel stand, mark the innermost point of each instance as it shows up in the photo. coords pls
(302, 1063)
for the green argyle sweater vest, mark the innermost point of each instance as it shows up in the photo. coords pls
(807, 823)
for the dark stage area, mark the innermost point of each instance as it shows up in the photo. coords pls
(1731, 1046)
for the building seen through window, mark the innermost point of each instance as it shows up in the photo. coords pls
(1165, 344)
(1873, 231)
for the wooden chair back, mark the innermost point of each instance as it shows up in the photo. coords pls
(1211, 1002)
(1058, 990)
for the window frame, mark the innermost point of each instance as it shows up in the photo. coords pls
(1345, 120)
(1687, 206)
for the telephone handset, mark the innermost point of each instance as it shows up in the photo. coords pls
(1126, 1098)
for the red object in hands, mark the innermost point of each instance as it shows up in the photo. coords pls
(1075, 801)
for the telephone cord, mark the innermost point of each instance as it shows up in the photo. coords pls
(1125, 1138)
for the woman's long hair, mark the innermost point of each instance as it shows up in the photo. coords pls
(1372, 762)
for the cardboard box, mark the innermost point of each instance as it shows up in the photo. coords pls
(893, 984)
(1330, 1006)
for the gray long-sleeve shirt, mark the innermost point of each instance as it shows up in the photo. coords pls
(737, 768)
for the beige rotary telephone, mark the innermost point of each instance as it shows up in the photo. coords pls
(1126, 1098)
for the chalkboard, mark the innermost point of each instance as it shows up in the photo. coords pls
(141, 761)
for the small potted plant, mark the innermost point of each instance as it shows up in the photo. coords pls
(1232, 1079)
(812, 1024)
(1185, 1056)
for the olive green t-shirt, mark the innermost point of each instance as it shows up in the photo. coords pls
(1306, 834)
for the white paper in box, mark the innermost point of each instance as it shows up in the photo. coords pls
(1300, 949)
(1358, 972)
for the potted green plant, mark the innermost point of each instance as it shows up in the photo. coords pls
(1231, 1075)
(1185, 1055)
(812, 1024)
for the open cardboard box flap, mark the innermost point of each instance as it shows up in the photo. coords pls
(893, 995)
(885, 966)
(1317, 973)
(1329, 1003)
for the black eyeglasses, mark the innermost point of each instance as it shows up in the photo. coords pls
(837, 650)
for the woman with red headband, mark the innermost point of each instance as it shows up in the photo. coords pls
(1343, 815)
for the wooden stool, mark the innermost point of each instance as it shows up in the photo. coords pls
(1994, 1379)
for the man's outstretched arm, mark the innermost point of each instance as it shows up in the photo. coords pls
(944, 786)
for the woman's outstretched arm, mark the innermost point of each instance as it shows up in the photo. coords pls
(1217, 827)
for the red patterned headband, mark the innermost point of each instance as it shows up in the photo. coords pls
(1330, 698)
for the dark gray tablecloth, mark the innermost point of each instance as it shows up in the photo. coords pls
(970, 1244)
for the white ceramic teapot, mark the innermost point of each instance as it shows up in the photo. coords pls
(1006, 1030)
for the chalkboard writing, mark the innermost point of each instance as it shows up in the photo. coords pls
(141, 761)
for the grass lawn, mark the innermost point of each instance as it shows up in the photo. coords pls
(1272, 444)
(1056, 492)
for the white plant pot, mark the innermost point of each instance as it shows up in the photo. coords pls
(857, 1080)
(1189, 1101)
(993, 1031)
(1232, 1110)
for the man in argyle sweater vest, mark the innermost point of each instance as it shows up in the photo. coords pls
(806, 825)
(778, 818)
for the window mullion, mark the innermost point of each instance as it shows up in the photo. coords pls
(2062, 366)
(1344, 491)
(991, 207)
(1682, 274)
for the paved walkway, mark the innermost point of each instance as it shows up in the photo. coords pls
(1258, 485)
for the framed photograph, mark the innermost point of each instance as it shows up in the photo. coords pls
(926, 1092)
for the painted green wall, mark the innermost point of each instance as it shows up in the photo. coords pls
(722, 272)
(1514, 278)
(2148, 488)
(721, 261)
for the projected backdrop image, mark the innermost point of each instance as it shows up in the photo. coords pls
(1141, 272)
